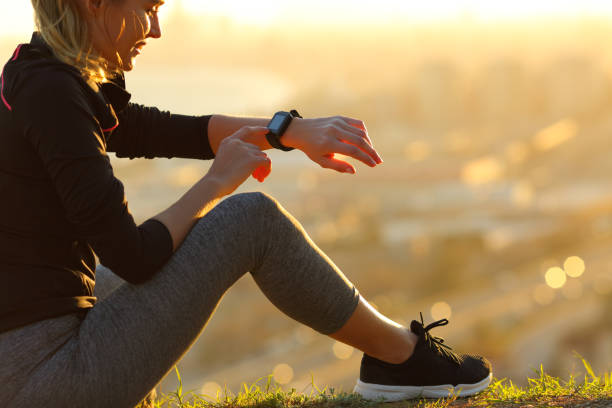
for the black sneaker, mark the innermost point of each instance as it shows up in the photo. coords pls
(432, 371)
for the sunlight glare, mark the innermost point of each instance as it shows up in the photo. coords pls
(265, 12)
(262, 12)
(16, 19)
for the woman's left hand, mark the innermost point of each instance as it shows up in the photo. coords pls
(321, 138)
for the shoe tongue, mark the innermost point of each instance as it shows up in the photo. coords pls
(417, 328)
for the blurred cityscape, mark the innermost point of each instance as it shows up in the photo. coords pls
(493, 207)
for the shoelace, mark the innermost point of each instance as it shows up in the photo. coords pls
(437, 343)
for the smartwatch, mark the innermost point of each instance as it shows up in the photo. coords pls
(277, 127)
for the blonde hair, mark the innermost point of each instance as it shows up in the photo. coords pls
(64, 28)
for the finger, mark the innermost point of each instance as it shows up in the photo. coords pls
(354, 130)
(252, 130)
(250, 133)
(354, 122)
(250, 146)
(258, 174)
(329, 162)
(361, 143)
(267, 168)
(354, 152)
(261, 172)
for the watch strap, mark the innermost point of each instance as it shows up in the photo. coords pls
(274, 139)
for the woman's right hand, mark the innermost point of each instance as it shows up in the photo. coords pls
(236, 159)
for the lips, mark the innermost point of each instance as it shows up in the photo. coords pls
(139, 45)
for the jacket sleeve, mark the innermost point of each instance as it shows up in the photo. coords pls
(57, 119)
(148, 132)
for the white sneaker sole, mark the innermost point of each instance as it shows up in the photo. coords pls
(399, 392)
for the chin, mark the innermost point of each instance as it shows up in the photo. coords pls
(128, 65)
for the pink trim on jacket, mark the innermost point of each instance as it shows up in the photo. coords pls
(2, 94)
(15, 56)
(112, 128)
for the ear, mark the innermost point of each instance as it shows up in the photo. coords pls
(92, 7)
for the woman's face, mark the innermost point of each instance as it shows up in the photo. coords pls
(119, 29)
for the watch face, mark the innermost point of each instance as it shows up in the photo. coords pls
(276, 123)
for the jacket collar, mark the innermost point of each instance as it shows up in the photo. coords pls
(113, 90)
(38, 42)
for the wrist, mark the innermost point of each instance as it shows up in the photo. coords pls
(291, 138)
(212, 186)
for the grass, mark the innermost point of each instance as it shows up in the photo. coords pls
(542, 391)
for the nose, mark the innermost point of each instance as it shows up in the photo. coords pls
(155, 29)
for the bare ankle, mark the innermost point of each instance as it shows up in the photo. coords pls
(400, 352)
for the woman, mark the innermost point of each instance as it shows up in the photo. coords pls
(73, 334)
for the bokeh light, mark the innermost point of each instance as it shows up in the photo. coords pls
(555, 277)
(283, 373)
(342, 351)
(304, 334)
(451, 124)
(498, 239)
(482, 171)
(574, 266)
(211, 389)
(441, 310)
(555, 134)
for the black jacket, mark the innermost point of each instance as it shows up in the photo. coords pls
(59, 200)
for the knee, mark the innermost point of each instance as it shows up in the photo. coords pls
(254, 203)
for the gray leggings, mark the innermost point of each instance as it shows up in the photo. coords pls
(135, 334)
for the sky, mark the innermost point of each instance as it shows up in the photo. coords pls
(16, 16)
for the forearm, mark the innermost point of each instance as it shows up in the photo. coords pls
(146, 131)
(221, 126)
(180, 217)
